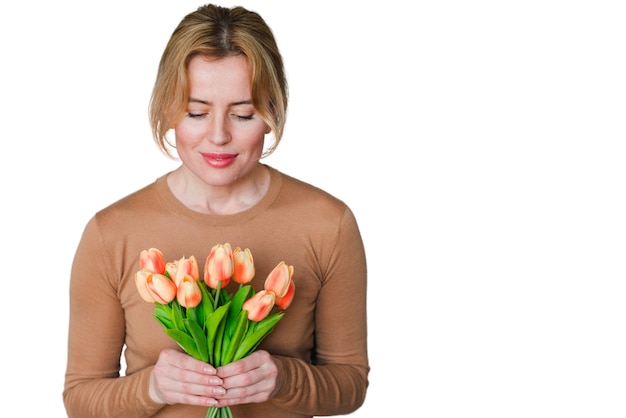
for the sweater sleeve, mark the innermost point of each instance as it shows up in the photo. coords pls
(336, 381)
(93, 386)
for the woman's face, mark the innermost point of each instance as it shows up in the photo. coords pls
(220, 138)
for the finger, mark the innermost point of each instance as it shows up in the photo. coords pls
(185, 361)
(186, 391)
(179, 378)
(258, 392)
(170, 373)
(255, 385)
(251, 362)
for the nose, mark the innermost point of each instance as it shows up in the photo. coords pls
(218, 132)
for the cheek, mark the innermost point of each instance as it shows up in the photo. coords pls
(252, 137)
(187, 135)
(259, 143)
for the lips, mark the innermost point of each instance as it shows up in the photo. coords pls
(219, 160)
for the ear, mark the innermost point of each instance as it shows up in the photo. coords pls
(268, 129)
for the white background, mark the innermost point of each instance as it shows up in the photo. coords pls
(480, 144)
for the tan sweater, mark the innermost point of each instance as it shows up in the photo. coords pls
(320, 345)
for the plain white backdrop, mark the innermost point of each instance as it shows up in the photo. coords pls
(480, 145)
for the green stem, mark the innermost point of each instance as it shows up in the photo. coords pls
(217, 294)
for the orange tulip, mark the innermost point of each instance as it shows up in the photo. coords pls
(285, 301)
(189, 294)
(152, 260)
(154, 287)
(186, 266)
(243, 266)
(278, 280)
(259, 305)
(219, 266)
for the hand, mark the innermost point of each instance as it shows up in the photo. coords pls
(179, 378)
(251, 379)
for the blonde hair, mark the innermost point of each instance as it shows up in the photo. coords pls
(218, 32)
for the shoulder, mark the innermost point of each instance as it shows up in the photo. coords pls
(141, 202)
(307, 194)
(125, 223)
(308, 203)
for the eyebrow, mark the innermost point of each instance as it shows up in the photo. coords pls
(240, 102)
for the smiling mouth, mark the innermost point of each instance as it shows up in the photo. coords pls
(220, 156)
(219, 160)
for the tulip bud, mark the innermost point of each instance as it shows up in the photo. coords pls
(155, 287)
(189, 293)
(278, 280)
(186, 266)
(243, 266)
(259, 305)
(219, 266)
(152, 260)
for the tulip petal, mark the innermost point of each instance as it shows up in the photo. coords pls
(170, 269)
(285, 301)
(152, 259)
(278, 279)
(162, 289)
(141, 281)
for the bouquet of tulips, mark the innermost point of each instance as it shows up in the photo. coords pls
(206, 321)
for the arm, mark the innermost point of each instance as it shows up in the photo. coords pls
(336, 381)
(93, 387)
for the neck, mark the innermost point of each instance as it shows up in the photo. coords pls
(235, 197)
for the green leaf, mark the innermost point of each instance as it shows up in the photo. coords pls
(269, 321)
(177, 315)
(199, 316)
(225, 341)
(199, 339)
(207, 299)
(213, 322)
(240, 297)
(235, 340)
(185, 341)
(162, 314)
(254, 338)
(235, 309)
(191, 313)
(219, 338)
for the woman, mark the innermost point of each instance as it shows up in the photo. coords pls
(220, 89)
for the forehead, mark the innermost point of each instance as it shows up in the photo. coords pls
(228, 77)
